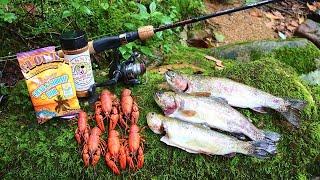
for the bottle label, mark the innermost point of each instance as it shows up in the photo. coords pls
(81, 70)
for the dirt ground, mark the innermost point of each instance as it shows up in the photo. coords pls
(266, 22)
(240, 26)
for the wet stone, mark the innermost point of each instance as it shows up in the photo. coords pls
(310, 30)
(245, 51)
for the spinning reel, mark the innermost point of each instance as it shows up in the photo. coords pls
(126, 72)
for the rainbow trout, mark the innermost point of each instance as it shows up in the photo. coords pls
(199, 139)
(236, 94)
(213, 113)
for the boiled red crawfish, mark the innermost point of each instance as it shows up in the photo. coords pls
(94, 147)
(116, 152)
(134, 149)
(83, 130)
(129, 107)
(134, 145)
(108, 107)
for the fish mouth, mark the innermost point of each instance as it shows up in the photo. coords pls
(173, 78)
(166, 101)
(155, 123)
(157, 97)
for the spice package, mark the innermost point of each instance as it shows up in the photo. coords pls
(50, 83)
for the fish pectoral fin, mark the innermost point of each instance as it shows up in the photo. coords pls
(230, 155)
(260, 109)
(167, 141)
(189, 113)
(202, 94)
(220, 100)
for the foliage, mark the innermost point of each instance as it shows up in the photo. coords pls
(5, 14)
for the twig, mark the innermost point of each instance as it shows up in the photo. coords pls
(282, 10)
(41, 5)
(33, 37)
(20, 36)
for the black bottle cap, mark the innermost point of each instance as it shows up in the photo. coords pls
(73, 40)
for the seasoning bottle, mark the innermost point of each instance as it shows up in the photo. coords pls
(75, 48)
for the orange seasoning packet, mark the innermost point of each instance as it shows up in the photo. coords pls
(50, 83)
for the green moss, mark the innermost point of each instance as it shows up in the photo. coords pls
(301, 59)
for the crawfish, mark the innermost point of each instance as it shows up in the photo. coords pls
(82, 132)
(130, 110)
(103, 107)
(98, 117)
(94, 147)
(106, 99)
(116, 153)
(134, 149)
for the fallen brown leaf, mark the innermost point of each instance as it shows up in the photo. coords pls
(270, 24)
(274, 16)
(294, 23)
(218, 62)
(301, 19)
(30, 8)
(312, 7)
(291, 28)
(255, 13)
(278, 14)
(164, 86)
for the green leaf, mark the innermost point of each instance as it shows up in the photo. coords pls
(66, 14)
(152, 7)
(104, 6)
(85, 10)
(250, 2)
(130, 26)
(157, 14)
(145, 50)
(166, 48)
(159, 35)
(4, 1)
(9, 17)
(166, 20)
(1, 12)
(75, 5)
(144, 16)
(142, 8)
(219, 37)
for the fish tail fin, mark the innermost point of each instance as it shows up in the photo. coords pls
(293, 113)
(261, 149)
(271, 136)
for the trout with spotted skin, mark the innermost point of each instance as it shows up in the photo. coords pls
(236, 94)
(214, 113)
(199, 139)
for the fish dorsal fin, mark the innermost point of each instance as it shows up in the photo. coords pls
(201, 94)
(188, 113)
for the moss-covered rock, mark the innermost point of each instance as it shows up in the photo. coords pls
(298, 53)
(248, 50)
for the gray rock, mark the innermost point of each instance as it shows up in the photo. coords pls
(312, 78)
(310, 30)
(245, 51)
